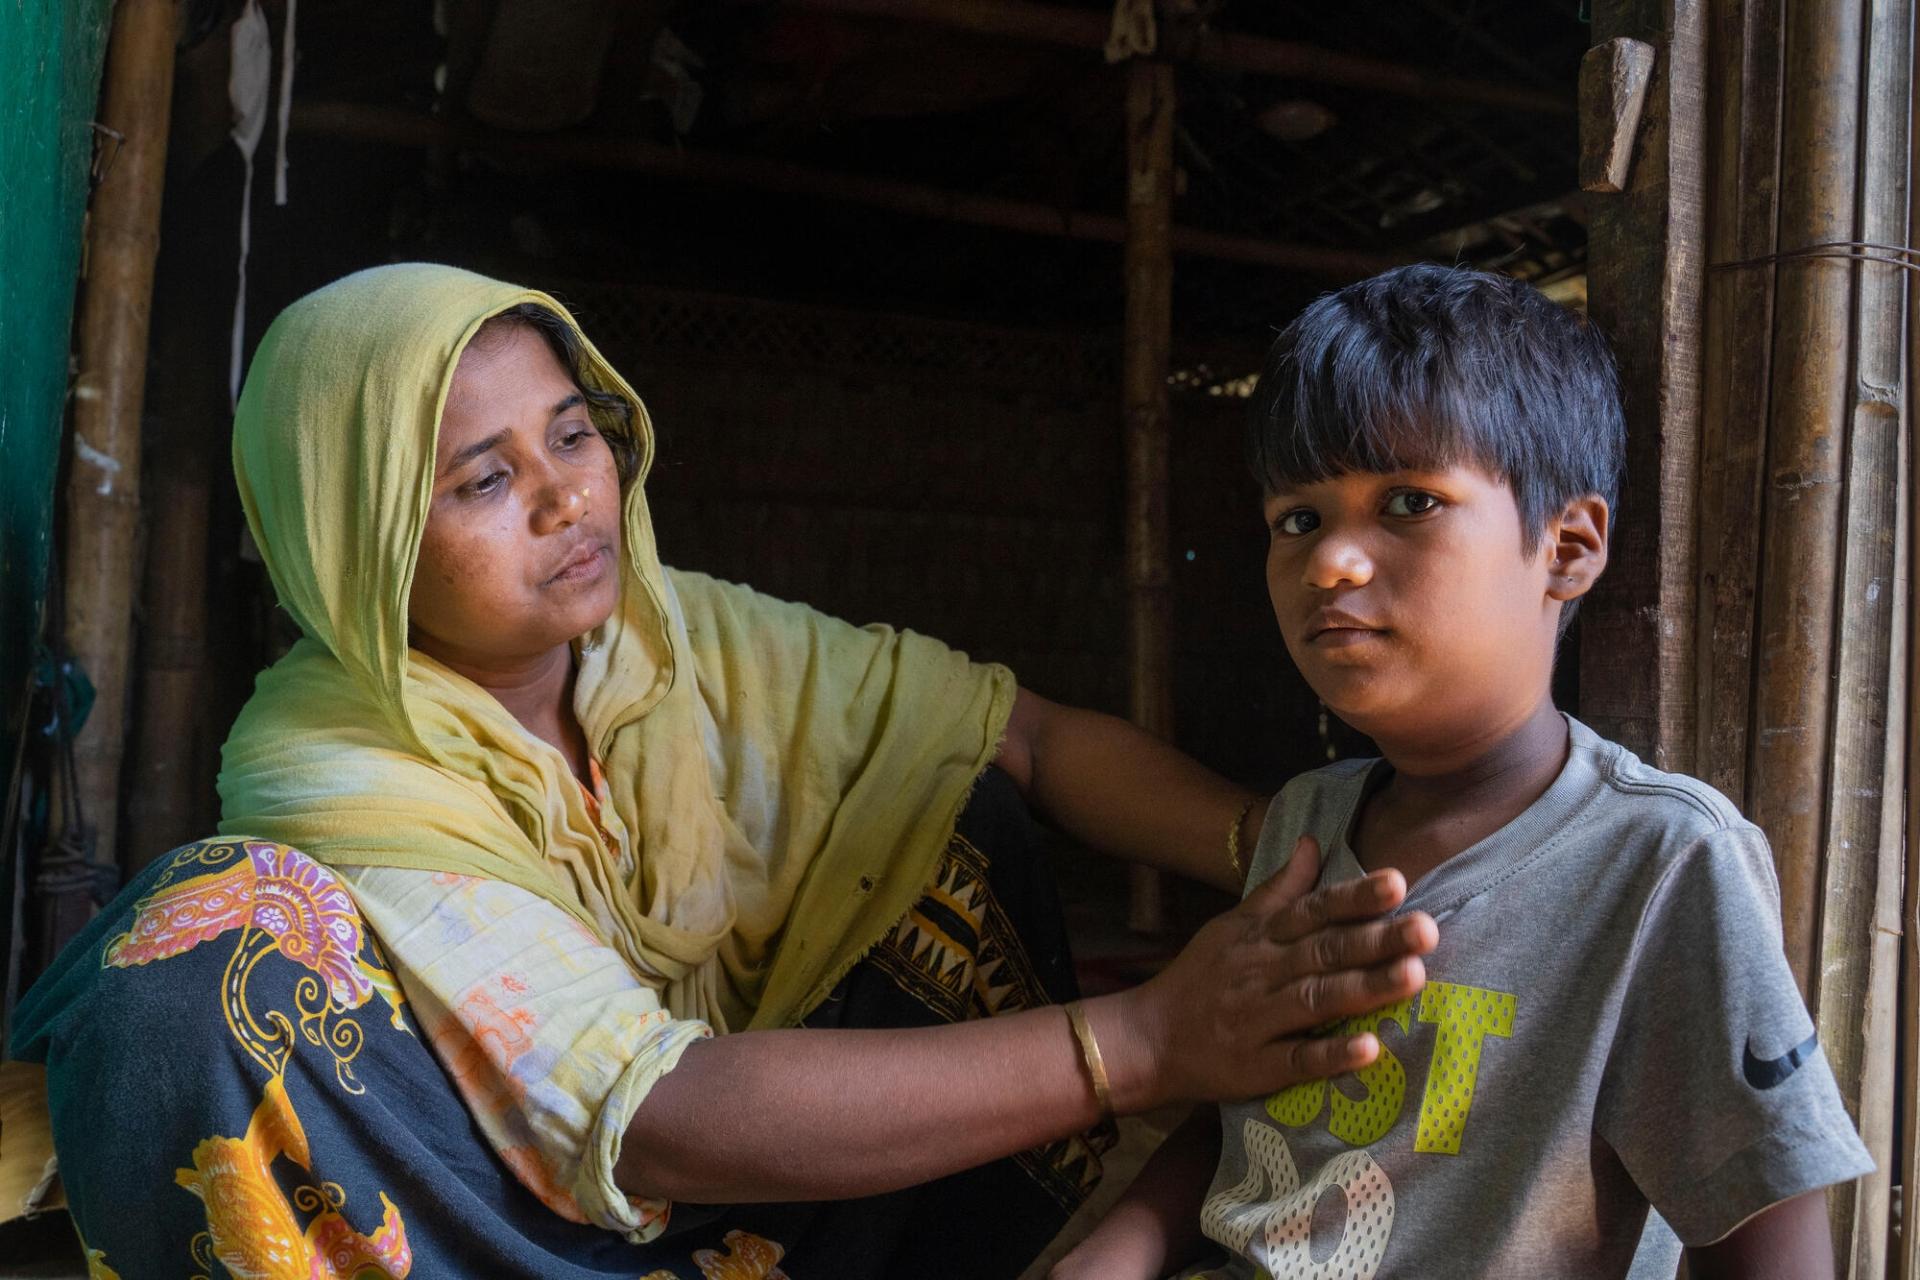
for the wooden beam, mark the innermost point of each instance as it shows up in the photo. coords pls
(398, 127)
(1613, 92)
(1204, 46)
(1145, 360)
(1644, 289)
(103, 490)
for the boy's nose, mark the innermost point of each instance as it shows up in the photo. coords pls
(1338, 562)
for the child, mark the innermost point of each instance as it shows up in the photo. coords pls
(1609, 1021)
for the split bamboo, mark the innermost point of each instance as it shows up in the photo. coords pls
(103, 493)
(1744, 161)
(1146, 356)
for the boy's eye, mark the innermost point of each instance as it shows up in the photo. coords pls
(1411, 503)
(1298, 521)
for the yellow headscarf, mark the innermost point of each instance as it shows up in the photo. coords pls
(788, 782)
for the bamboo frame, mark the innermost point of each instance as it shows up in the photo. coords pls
(103, 492)
(1907, 1263)
(1146, 358)
(1257, 55)
(397, 127)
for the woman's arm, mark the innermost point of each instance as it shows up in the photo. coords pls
(1155, 1226)
(1117, 788)
(815, 1114)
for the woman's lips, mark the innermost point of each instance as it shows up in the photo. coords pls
(587, 566)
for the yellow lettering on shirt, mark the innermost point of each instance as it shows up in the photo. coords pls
(1466, 1017)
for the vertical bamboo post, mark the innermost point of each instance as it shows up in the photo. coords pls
(1149, 337)
(1787, 777)
(1854, 981)
(1907, 1172)
(103, 493)
(1743, 148)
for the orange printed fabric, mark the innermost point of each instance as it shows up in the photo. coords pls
(551, 1040)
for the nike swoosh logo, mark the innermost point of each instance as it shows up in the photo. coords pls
(1765, 1073)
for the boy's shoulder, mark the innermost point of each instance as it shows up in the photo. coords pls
(1628, 788)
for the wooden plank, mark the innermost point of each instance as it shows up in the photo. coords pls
(1636, 652)
(1148, 339)
(1613, 92)
(1744, 149)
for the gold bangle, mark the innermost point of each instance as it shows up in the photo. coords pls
(1233, 838)
(1090, 1054)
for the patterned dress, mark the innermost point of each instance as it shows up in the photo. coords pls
(256, 1072)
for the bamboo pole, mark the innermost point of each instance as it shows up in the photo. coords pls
(1787, 779)
(1147, 352)
(103, 492)
(1744, 165)
(1859, 953)
(1907, 1172)
(1257, 55)
(397, 127)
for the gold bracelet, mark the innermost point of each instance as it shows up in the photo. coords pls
(1233, 838)
(1090, 1054)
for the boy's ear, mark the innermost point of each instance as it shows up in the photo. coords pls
(1579, 551)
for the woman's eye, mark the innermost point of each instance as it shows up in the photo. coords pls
(574, 436)
(1297, 521)
(485, 485)
(1411, 504)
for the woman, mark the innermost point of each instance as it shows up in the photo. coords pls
(681, 887)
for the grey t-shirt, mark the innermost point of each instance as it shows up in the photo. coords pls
(1609, 1022)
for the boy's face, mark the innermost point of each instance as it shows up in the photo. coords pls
(1409, 606)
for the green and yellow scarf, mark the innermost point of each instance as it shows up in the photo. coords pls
(788, 782)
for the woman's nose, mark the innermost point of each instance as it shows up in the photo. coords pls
(563, 500)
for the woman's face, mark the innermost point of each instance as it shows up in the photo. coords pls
(522, 547)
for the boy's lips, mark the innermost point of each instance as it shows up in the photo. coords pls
(1333, 628)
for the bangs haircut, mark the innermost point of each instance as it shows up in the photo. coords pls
(1426, 367)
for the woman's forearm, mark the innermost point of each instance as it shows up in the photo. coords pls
(818, 1114)
(1117, 788)
(814, 1115)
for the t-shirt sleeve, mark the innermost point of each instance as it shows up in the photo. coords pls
(545, 1030)
(1715, 1093)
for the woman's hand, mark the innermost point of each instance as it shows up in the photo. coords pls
(1242, 1011)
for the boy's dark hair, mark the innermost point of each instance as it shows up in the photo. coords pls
(1425, 366)
(611, 413)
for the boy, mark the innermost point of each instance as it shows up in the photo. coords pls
(1608, 1021)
